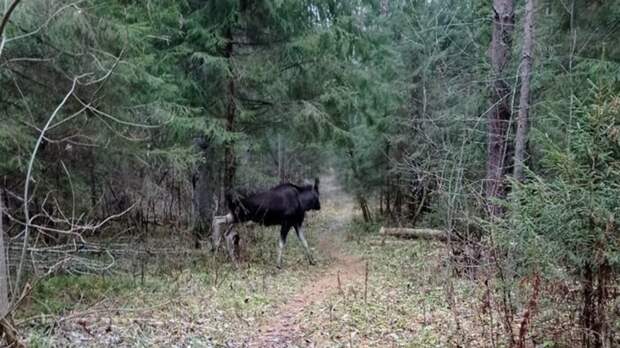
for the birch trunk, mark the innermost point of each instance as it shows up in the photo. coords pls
(524, 100)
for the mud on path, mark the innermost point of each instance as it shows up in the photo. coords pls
(285, 328)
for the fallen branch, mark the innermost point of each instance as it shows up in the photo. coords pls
(7, 330)
(414, 233)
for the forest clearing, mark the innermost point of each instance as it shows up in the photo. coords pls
(310, 173)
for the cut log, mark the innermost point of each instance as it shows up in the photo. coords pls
(414, 233)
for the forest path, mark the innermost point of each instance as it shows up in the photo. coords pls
(208, 304)
(285, 328)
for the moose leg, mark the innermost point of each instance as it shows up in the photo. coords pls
(282, 242)
(216, 234)
(230, 244)
(300, 234)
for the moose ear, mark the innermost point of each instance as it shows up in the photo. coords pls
(316, 184)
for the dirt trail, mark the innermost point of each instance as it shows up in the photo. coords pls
(194, 315)
(284, 328)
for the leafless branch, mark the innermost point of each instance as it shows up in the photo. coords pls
(73, 231)
(29, 175)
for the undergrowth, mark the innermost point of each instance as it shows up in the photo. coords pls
(401, 303)
(197, 300)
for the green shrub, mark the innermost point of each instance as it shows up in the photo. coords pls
(565, 223)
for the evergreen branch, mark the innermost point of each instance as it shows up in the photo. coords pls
(256, 101)
(298, 64)
(46, 23)
(5, 20)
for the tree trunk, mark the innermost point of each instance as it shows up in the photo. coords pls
(418, 202)
(364, 207)
(359, 195)
(281, 168)
(524, 100)
(202, 196)
(381, 202)
(589, 313)
(398, 194)
(93, 184)
(596, 285)
(498, 148)
(7, 331)
(230, 166)
(398, 199)
(388, 183)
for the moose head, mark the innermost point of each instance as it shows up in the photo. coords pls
(309, 196)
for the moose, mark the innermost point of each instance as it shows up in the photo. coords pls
(285, 205)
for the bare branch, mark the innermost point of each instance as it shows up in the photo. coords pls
(28, 178)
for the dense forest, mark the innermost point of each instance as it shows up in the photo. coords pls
(468, 154)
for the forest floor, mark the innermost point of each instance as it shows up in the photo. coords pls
(362, 293)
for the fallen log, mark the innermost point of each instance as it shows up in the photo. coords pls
(414, 233)
(391, 241)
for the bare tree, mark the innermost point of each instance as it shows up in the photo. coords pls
(524, 100)
(33, 156)
(499, 116)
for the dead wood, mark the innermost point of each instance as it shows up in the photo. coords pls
(414, 233)
(10, 334)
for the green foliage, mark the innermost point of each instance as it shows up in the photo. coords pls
(567, 220)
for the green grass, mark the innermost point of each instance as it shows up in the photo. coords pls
(414, 298)
(58, 294)
(201, 298)
(406, 303)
